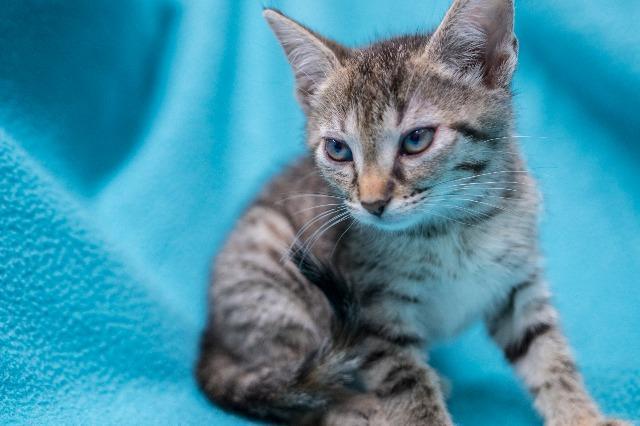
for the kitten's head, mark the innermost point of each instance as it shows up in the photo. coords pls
(405, 127)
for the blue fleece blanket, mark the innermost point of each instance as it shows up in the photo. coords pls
(133, 133)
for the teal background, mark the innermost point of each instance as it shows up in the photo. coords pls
(132, 133)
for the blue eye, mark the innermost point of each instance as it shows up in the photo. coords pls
(417, 141)
(337, 150)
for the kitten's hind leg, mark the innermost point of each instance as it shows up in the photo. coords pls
(268, 350)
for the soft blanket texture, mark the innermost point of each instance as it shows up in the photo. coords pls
(134, 132)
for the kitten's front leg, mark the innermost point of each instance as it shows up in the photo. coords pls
(406, 387)
(526, 329)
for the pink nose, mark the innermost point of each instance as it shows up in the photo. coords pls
(375, 207)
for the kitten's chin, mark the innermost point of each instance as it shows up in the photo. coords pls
(387, 223)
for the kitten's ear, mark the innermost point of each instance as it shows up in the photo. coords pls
(312, 57)
(476, 40)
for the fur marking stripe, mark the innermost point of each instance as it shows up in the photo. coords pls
(519, 349)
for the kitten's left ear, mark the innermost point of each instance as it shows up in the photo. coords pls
(312, 57)
(476, 39)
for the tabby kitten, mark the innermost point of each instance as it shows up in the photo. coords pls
(412, 217)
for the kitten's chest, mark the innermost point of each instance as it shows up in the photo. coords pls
(437, 287)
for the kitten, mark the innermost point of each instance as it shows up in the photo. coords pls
(412, 217)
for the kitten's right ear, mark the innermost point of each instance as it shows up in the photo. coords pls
(312, 57)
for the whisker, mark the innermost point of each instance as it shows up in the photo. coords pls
(318, 232)
(318, 217)
(308, 245)
(317, 207)
(468, 195)
(480, 175)
(513, 137)
(340, 238)
(308, 195)
(482, 202)
(308, 175)
(451, 196)
(441, 216)
(460, 189)
(497, 182)
(471, 212)
(311, 221)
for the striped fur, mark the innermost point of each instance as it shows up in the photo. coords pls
(319, 309)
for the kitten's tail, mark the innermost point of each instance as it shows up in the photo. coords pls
(326, 376)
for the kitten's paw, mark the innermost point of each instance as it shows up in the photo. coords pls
(613, 422)
(600, 422)
(357, 411)
(590, 421)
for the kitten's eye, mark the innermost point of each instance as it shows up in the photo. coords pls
(338, 150)
(417, 141)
